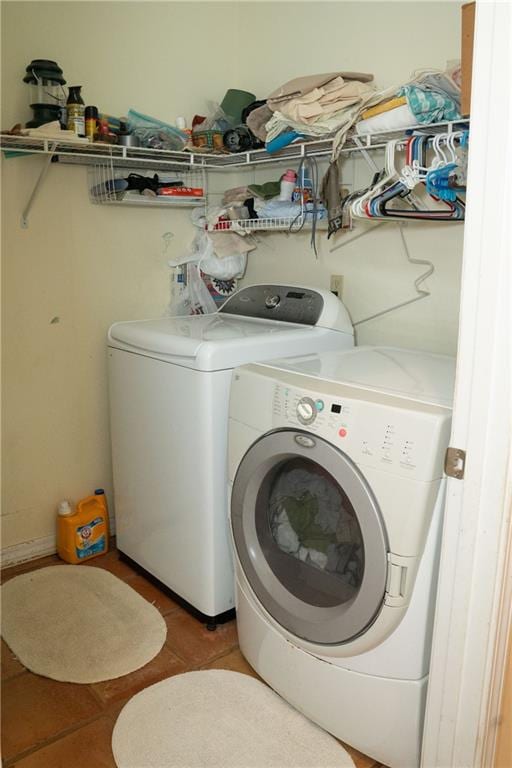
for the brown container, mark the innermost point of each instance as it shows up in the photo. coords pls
(468, 31)
(211, 139)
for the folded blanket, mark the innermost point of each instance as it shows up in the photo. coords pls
(321, 102)
(429, 105)
(302, 85)
(256, 121)
(236, 195)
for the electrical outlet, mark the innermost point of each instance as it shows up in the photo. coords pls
(337, 285)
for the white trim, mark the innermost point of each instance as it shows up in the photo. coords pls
(31, 550)
(468, 625)
(28, 550)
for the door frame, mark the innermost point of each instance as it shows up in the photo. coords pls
(473, 618)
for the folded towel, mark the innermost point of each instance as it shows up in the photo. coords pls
(52, 131)
(400, 117)
(384, 106)
(265, 191)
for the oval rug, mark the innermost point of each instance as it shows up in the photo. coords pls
(79, 624)
(219, 719)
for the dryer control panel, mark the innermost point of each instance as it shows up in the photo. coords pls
(409, 441)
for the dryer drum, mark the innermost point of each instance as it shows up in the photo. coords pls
(309, 536)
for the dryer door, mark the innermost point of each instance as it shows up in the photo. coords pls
(309, 536)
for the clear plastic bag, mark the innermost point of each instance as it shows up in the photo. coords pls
(201, 301)
(227, 268)
(216, 119)
(154, 133)
(224, 268)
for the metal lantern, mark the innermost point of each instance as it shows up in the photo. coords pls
(47, 96)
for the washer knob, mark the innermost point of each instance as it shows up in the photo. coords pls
(306, 410)
(271, 302)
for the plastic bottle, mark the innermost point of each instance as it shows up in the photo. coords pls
(288, 182)
(181, 125)
(75, 110)
(304, 188)
(104, 133)
(82, 533)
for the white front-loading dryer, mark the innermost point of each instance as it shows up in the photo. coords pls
(336, 472)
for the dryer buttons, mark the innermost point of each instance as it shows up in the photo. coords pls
(306, 410)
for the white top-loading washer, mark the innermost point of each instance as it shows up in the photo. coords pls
(336, 465)
(169, 391)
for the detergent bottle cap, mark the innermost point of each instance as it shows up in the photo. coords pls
(289, 175)
(64, 509)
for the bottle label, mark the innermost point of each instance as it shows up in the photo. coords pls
(90, 538)
(76, 119)
(79, 126)
(90, 128)
(305, 193)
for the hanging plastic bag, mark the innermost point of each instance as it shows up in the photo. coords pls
(201, 301)
(226, 268)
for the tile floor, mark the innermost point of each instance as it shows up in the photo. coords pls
(45, 724)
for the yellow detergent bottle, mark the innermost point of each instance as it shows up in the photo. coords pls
(83, 533)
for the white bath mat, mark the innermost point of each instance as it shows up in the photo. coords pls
(219, 719)
(79, 624)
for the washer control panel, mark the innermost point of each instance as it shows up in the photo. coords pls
(277, 302)
(407, 442)
(271, 302)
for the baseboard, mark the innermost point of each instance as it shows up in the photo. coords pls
(28, 550)
(31, 550)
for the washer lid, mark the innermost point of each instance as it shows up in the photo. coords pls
(213, 342)
(413, 375)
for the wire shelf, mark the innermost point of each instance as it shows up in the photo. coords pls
(115, 157)
(107, 181)
(283, 224)
(90, 154)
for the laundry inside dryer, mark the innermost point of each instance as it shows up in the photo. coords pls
(312, 520)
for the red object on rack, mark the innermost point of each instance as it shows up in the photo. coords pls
(181, 191)
(223, 223)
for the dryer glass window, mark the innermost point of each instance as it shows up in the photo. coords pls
(309, 533)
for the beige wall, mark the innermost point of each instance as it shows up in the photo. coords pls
(377, 276)
(90, 265)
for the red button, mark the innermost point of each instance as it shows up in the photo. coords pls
(342, 432)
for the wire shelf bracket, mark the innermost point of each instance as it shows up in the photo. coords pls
(44, 170)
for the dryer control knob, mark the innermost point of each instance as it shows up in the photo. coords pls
(306, 410)
(271, 302)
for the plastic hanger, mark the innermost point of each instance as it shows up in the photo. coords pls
(438, 180)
